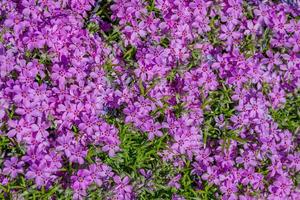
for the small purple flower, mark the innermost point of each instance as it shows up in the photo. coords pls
(174, 182)
(122, 189)
(247, 159)
(39, 172)
(18, 129)
(295, 161)
(255, 108)
(229, 189)
(280, 24)
(95, 175)
(282, 186)
(252, 178)
(13, 167)
(65, 143)
(220, 123)
(146, 173)
(276, 167)
(88, 124)
(78, 153)
(54, 159)
(81, 180)
(229, 34)
(111, 147)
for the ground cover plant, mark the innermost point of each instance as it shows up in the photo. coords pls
(149, 99)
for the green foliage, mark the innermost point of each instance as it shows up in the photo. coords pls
(151, 7)
(136, 152)
(129, 53)
(248, 46)
(165, 42)
(211, 35)
(264, 42)
(288, 117)
(92, 27)
(217, 103)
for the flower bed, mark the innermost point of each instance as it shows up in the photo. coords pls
(149, 99)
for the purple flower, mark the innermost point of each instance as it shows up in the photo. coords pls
(263, 13)
(282, 186)
(111, 147)
(229, 189)
(136, 30)
(255, 108)
(277, 97)
(28, 111)
(220, 123)
(21, 93)
(240, 120)
(295, 161)
(229, 34)
(153, 130)
(177, 197)
(78, 153)
(203, 156)
(65, 143)
(40, 128)
(19, 129)
(275, 167)
(252, 28)
(252, 178)
(4, 181)
(122, 188)
(33, 155)
(146, 173)
(81, 180)
(60, 74)
(174, 182)
(95, 174)
(247, 159)
(294, 42)
(54, 159)
(280, 23)
(16, 22)
(105, 171)
(13, 167)
(88, 124)
(39, 172)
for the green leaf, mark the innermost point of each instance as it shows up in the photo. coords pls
(141, 86)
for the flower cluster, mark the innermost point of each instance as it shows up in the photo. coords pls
(204, 73)
(251, 51)
(53, 90)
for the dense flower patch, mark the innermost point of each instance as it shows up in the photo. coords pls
(149, 99)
